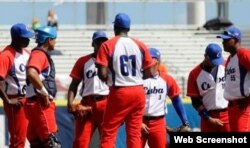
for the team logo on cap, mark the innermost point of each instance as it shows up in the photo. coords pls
(218, 55)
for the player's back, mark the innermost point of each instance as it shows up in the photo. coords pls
(126, 61)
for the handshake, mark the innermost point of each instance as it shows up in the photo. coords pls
(182, 128)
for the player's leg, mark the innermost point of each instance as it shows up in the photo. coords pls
(233, 115)
(244, 119)
(31, 114)
(17, 125)
(117, 109)
(47, 125)
(223, 116)
(84, 128)
(157, 136)
(134, 119)
(99, 113)
(144, 135)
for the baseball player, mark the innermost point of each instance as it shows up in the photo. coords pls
(237, 80)
(206, 88)
(94, 94)
(13, 60)
(120, 62)
(41, 90)
(156, 89)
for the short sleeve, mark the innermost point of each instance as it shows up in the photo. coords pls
(244, 58)
(76, 72)
(172, 86)
(38, 60)
(102, 55)
(192, 88)
(5, 66)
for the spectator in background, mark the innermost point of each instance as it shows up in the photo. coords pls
(35, 23)
(206, 84)
(52, 19)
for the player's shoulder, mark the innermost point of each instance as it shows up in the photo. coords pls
(37, 51)
(84, 58)
(137, 41)
(167, 76)
(243, 51)
(8, 51)
(195, 70)
(112, 40)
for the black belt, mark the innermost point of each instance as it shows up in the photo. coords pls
(96, 97)
(239, 102)
(15, 96)
(36, 97)
(153, 117)
(217, 110)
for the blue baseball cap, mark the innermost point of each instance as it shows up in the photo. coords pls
(45, 32)
(230, 33)
(155, 53)
(214, 52)
(122, 20)
(20, 30)
(99, 34)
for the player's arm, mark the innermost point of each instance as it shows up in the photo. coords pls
(203, 112)
(4, 68)
(102, 72)
(33, 77)
(3, 95)
(72, 93)
(198, 105)
(180, 110)
(149, 72)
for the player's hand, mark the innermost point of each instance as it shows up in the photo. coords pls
(184, 128)
(15, 102)
(79, 110)
(45, 102)
(215, 121)
(145, 128)
(82, 111)
(71, 108)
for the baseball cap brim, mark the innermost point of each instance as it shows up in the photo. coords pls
(217, 61)
(99, 37)
(225, 37)
(28, 34)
